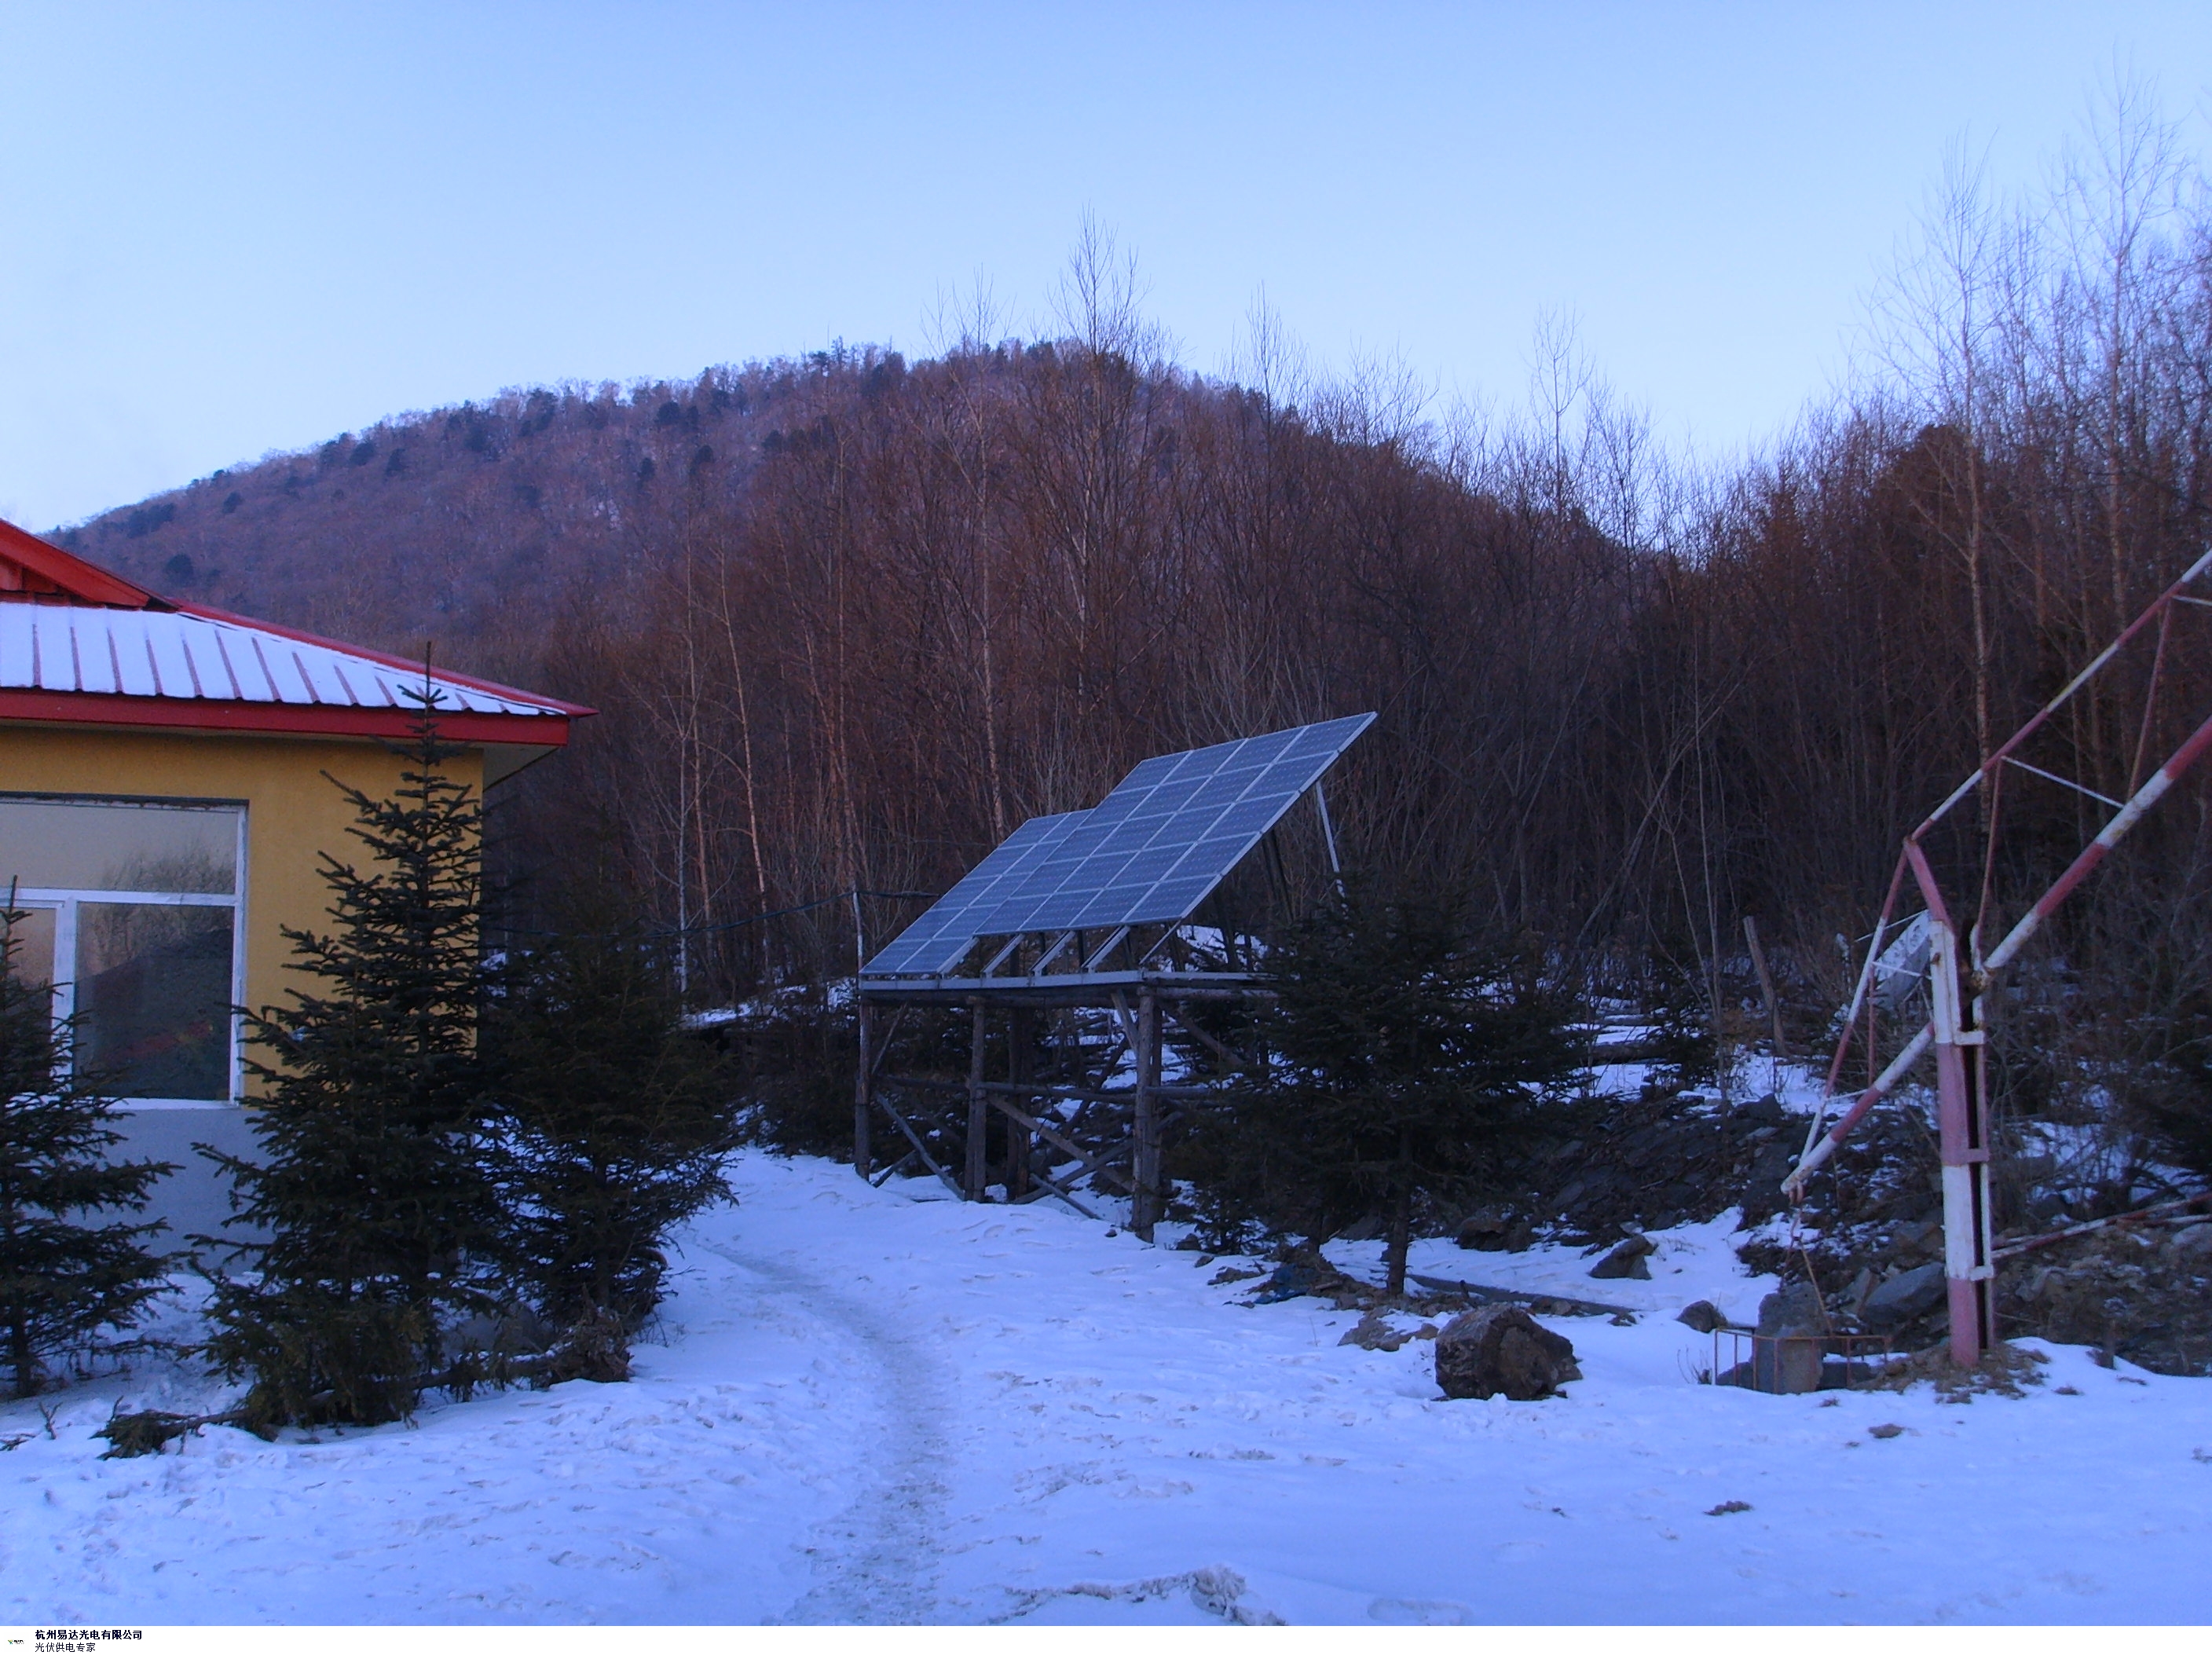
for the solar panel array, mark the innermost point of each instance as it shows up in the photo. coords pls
(940, 936)
(1150, 852)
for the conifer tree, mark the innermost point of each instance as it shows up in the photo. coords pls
(369, 1184)
(62, 1281)
(612, 1127)
(1408, 1059)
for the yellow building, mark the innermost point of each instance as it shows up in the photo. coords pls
(163, 812)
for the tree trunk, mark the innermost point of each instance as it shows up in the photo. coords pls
(1402, 1234)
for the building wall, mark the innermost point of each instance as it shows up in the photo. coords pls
(294, 815)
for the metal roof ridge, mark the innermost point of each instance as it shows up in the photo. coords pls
(386, 658)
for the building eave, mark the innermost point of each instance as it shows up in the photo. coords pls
(210, 717)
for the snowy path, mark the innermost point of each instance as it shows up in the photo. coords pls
(880, 1407)
(876, 1562)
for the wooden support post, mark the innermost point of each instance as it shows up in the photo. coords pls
(1020, 1038)
(979, 1119)
(864, 1094)
(1145, 1126)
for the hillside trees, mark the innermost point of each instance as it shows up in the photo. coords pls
(1623, 703)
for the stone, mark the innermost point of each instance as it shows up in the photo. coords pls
(1374, 1333)
(1860, 1287)
(1485, 1230)
(1792, 1309)
(1903, 1297)
(1791, 1343)
(1702, 1316)
(1762, 1188)
(1915, 1238)
(1626, 1260)
(1500, 1349)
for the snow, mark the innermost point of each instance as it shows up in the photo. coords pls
(883, 1405)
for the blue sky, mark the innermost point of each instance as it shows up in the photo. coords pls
(231, 229)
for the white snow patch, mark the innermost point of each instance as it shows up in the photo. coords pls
(864, 1408)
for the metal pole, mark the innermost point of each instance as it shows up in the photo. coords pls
(1962, 1140)
(1328, 836)
(1143, 1114)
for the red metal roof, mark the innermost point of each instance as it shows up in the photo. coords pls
(80, 644)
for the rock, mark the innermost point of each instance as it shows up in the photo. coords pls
(1856, 1293)
(1766, 1109)
(1762, 1188)
(1501, 1350)
(1485, 1230)
(2194, 1241)
(1792, 1309)
(1791, 1342)
(1373, 1332)
(1914, 1238)
(1903, 1297)
(1702, 1316)
(1626, 1260)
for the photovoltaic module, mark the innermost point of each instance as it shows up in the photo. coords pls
(1150, 852)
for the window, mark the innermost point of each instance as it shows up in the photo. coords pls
(133, 920)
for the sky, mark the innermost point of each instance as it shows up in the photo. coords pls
(231, 229)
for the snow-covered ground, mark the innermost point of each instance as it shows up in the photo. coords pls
(883, 1407)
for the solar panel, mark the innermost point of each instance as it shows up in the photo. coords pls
(1150, 852)
(934, 941)
(1153, 849)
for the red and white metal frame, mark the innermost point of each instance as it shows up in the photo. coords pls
(1958, 983)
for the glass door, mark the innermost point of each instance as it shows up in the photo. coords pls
(131, 915)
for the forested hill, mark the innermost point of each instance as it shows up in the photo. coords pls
(467, 527)
(851, 619)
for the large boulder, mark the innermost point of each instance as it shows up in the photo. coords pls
(1485, 1230)
(1500, 1349)
(1626, 1260)
(1903, 1298)
(1702, 1316)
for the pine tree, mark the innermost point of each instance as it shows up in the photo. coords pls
(370, 1184)
(613, 1125)
(1407, 1061)
(62, 1282)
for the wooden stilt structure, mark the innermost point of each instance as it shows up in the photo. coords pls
(1077, 915)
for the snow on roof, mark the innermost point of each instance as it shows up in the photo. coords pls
(180, 655)
(73, 636)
